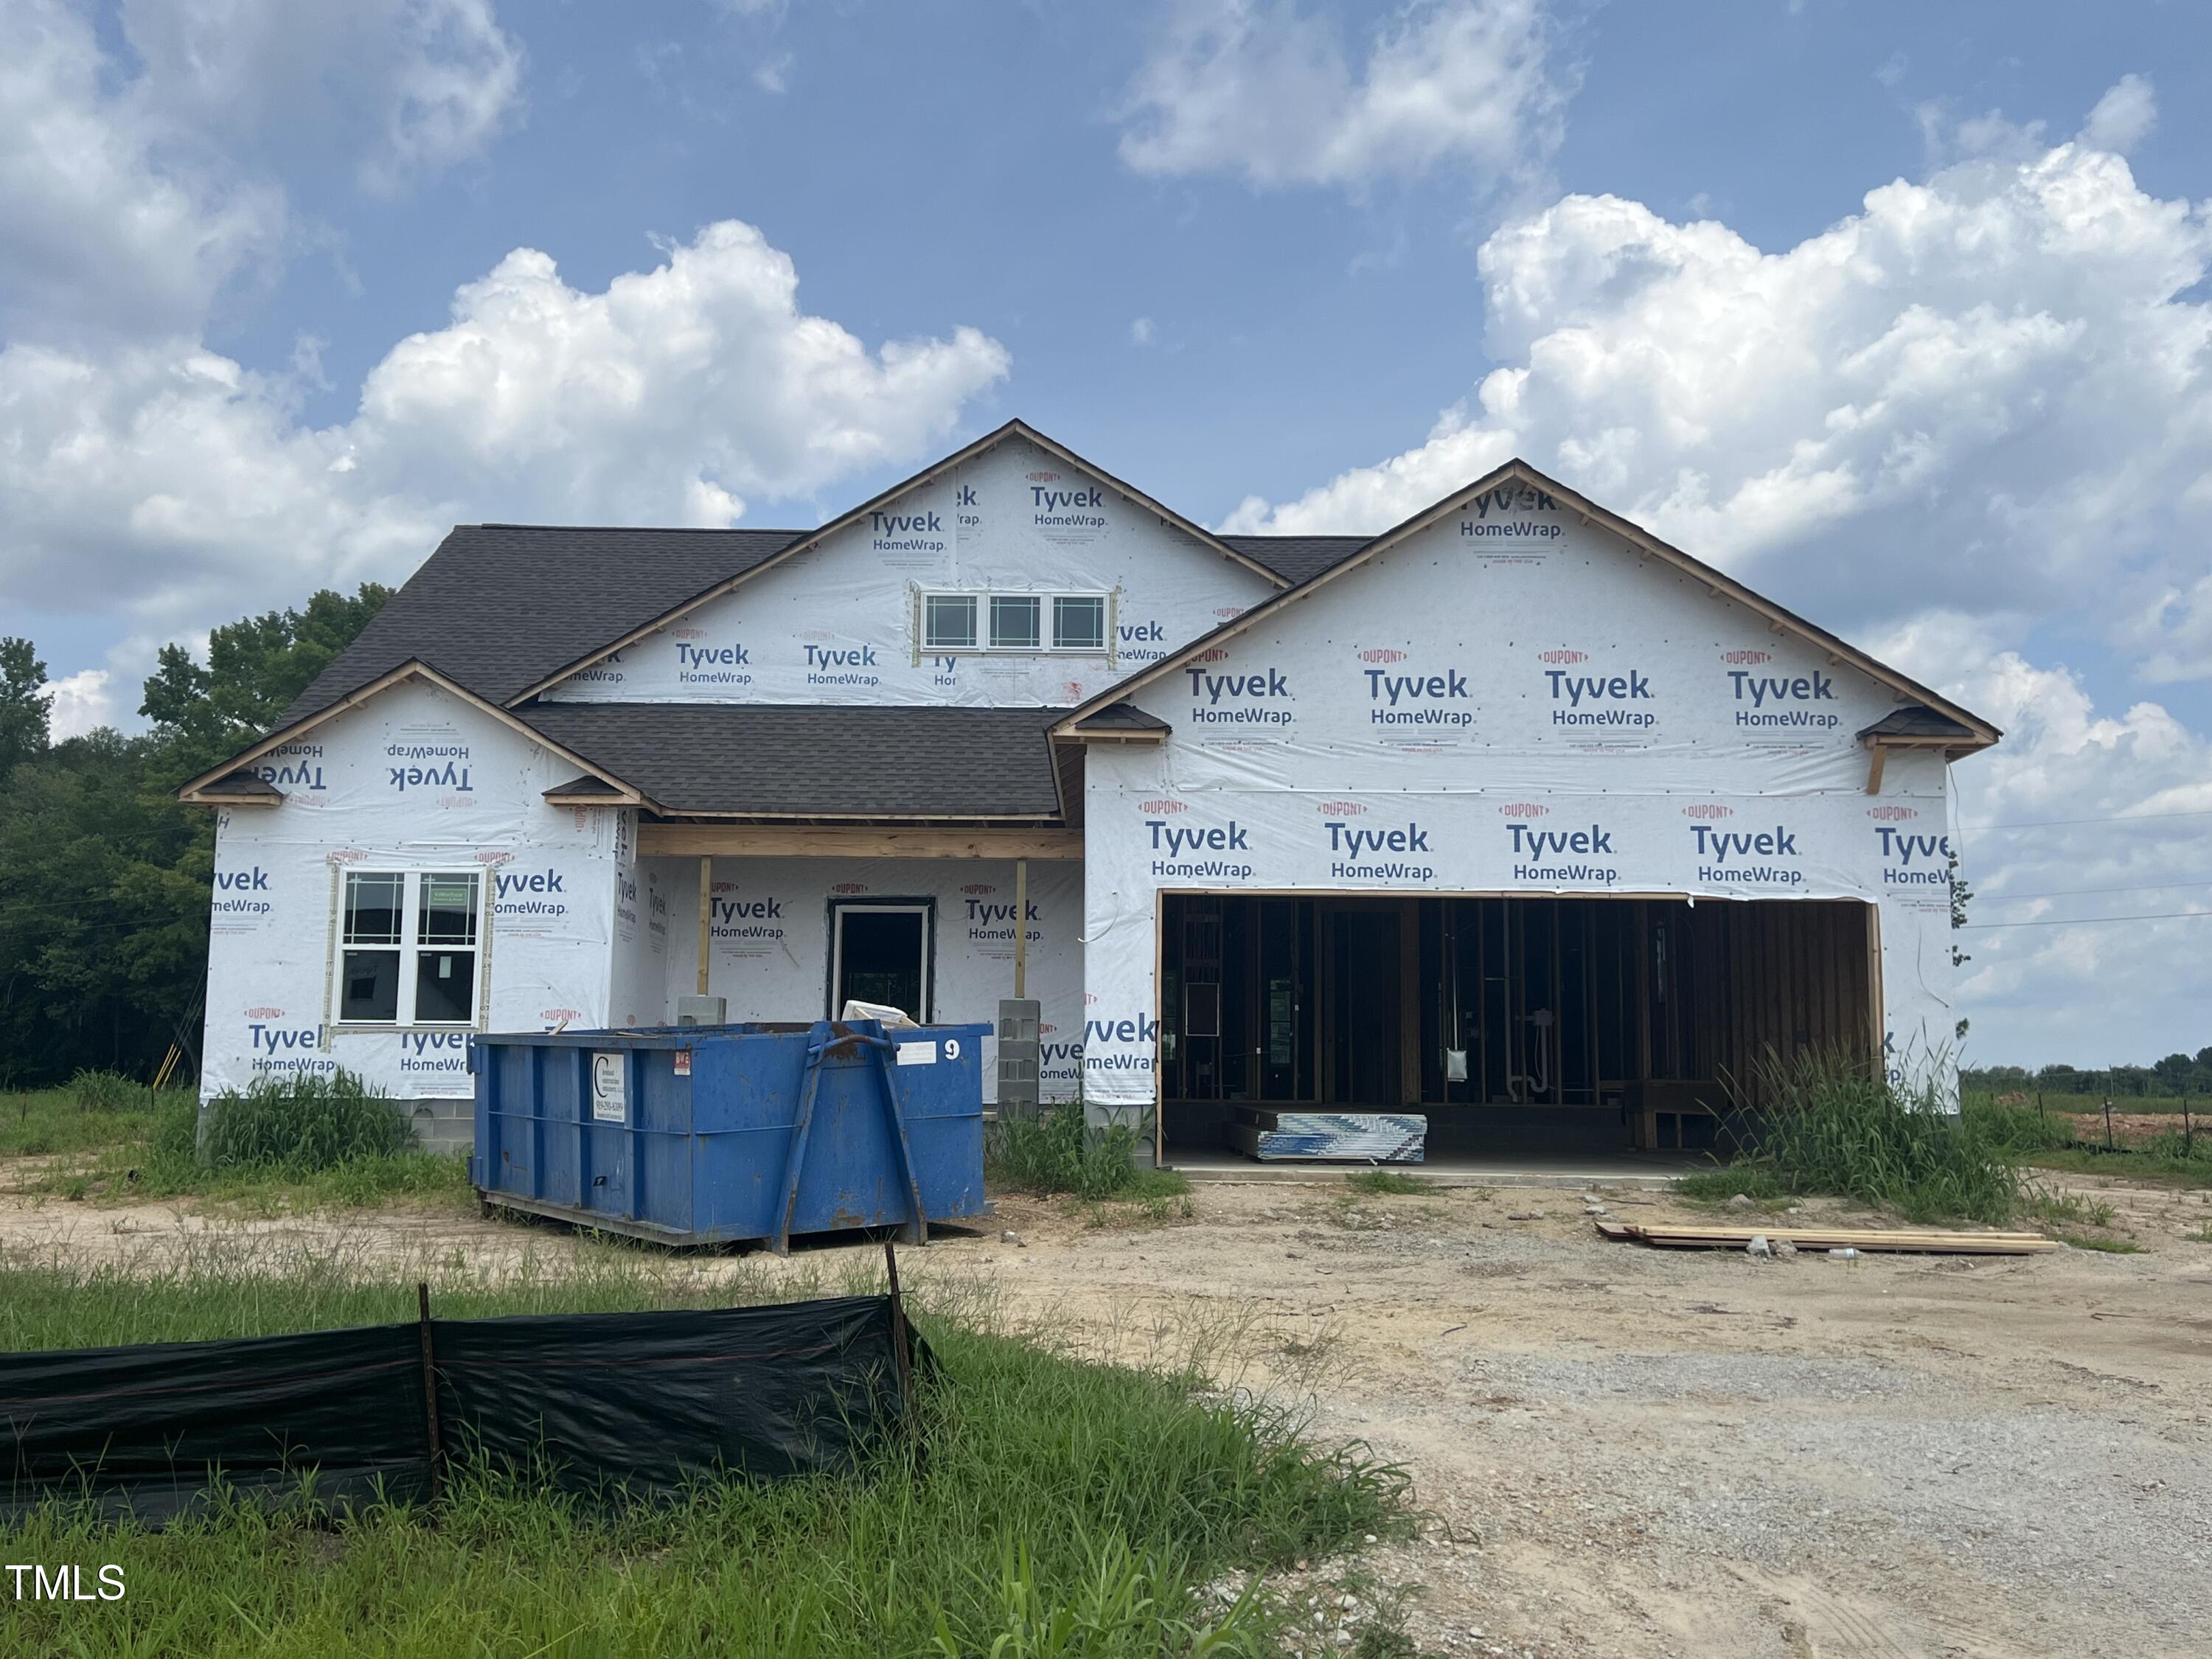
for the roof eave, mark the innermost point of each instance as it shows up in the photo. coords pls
(413, 668)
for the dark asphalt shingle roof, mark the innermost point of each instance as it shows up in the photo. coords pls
(839, 762)
(1917, 720)
(1299, 558)
(499, 607)
(1123, 717)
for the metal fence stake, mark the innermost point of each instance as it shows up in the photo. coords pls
(429, 1386)
(902, 1347)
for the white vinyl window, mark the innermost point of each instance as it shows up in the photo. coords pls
(948, 621)
(1014, 621)
(1029, 624)
(409, 944)
(1078, 622)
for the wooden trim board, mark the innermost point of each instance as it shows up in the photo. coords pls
(1931, 1241)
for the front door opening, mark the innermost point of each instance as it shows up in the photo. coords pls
(880, 952)
(1531, 1023)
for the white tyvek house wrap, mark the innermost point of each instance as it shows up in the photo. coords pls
(840, 624)
(1512, 701)
(413, 780)
(770, 931)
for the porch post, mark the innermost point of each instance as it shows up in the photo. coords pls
(706, 915)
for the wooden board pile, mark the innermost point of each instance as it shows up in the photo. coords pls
(1928, 1241)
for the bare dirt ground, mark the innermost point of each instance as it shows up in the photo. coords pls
(1625, 1451)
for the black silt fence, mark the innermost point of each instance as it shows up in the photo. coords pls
(643, 1403)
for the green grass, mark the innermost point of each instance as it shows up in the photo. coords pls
(2055, 1103)
(276, 1149)
(1063, 1507)
(2047, 1141)
(2067, 1208)
(2092, 1242)
(2131, 1165)
(1055, 1150)
(1827, 1124)
(1382, 1182)
(40, 1122)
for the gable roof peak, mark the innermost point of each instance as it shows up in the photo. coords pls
(1015, 428)
(1716, 582)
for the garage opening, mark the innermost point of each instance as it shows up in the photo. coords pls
(1511, 1024)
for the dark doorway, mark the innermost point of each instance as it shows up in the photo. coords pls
(1532, 1022)
(879, 952)
(1361, 1036)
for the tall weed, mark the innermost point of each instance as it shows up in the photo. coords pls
(1833, 1123)
(301, 1124)
(1055, 1150)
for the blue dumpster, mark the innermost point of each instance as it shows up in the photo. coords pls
(698, 1134)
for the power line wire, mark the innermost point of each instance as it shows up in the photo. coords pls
(2083, 921)
(2079, 892)
(2060, 823)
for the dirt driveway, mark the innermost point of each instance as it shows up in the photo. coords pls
(1634, 1452)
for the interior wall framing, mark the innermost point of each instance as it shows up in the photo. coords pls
(1554, 1002)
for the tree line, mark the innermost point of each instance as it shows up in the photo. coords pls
(2176, 1075)
(105, 875)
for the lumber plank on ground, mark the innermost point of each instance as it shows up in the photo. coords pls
(1924, 1240)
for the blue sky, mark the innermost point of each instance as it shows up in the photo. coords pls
(1896, 311)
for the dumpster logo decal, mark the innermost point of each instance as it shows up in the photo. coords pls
(609, 1095)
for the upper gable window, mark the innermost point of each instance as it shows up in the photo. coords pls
(948, 621)
(1031, 623)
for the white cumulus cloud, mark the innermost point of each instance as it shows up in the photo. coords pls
(78, 703)
(190, 485)
(1259, 89)
(135, 187)
(1983, 400)
(96, 228)
(1988, 389)
(408, 88)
